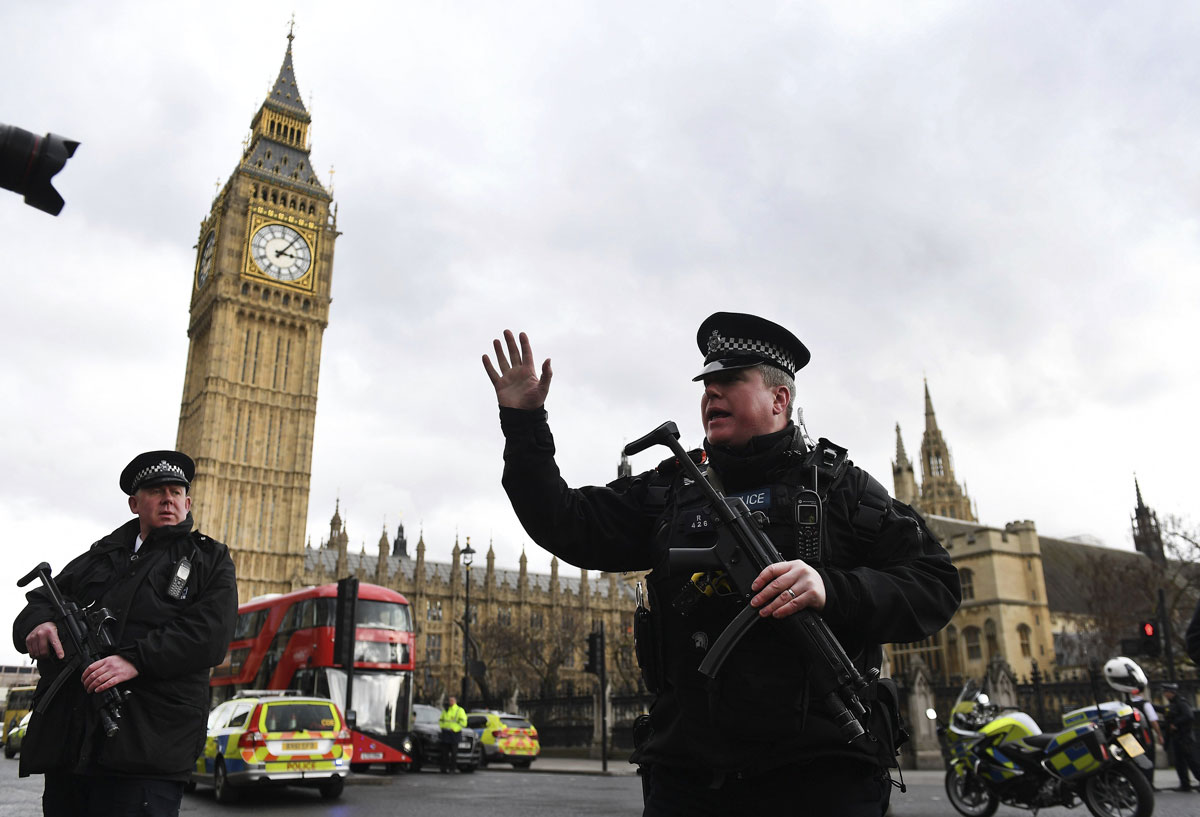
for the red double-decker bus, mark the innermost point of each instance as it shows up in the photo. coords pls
(286, 642)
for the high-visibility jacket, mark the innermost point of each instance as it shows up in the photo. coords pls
(454, 718)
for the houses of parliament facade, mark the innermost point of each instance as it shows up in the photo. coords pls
(259, 306)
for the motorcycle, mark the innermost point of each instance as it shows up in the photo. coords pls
(996, 756)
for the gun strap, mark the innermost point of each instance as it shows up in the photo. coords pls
(68, 671)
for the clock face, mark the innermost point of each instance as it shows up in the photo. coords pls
(206, 260)
(281, 252)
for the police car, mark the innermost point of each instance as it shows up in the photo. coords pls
(264, 737)
(16, 736)
(506, 738)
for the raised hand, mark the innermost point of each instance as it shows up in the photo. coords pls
(517, 383)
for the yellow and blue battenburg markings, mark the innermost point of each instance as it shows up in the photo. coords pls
(1001, 767)
(1072, 752)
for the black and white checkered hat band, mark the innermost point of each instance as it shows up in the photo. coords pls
(160, 469)
(719, 346)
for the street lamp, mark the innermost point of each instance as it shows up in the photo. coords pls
(468, 556)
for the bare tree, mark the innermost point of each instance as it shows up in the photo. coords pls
(531, 657)
(1121, 591)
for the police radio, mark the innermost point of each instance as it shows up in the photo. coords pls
(809, 521)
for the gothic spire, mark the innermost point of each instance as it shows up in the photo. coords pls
(930, 419)
(285, 94)
(901, 455)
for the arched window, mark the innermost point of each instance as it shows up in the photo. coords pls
(953, 659)
(1023, 634)
(971, 637)
(993, 645)
(966, 577)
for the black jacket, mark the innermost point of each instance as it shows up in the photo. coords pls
(172, 642)
(891, 583)
(1180, 717)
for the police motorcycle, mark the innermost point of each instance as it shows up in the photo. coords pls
(996, 756)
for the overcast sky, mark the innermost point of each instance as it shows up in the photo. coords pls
(998, 197)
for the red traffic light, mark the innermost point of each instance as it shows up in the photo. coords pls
(1148, 629)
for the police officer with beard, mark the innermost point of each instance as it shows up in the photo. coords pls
(173, 594)
(752, 742)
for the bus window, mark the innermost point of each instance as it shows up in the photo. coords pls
(249, 625)
(383, 615)
(291, 621)
(305, 615)
(325, 610)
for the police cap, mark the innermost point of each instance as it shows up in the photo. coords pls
(735, 340)
(157, 468)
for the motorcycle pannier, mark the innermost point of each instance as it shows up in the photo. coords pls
(1075, 751)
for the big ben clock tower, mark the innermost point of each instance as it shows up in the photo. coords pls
(260, 304)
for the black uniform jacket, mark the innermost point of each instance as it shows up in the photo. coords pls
(1180, 718)
(172, 642)
(895, 584)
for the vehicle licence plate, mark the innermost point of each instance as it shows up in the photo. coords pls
(302, 766)
(299, 745)
(371, 756)
(1131, 746)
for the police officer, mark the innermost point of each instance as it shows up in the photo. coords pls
(451, 721)
(173, 594)
(753, 742)
(1180, 720)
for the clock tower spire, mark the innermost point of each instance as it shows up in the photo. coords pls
(259, 308)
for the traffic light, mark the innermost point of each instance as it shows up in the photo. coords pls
(1148, 638)
(595, 653)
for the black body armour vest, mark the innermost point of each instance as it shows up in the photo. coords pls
(756, 714)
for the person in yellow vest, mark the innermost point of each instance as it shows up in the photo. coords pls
(452, 721)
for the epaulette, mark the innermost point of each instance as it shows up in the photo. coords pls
(830, 460)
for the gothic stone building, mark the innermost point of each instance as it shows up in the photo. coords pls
(551, 611)
(1026, 597)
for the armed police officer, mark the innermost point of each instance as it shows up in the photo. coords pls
(751, 741)
(173, 595)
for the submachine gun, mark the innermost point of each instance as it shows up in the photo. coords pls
(743, 551)
(89, 633)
